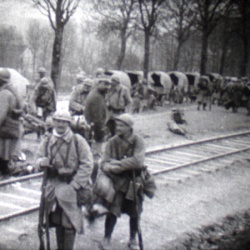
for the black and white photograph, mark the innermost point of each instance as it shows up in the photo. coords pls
(124, 125)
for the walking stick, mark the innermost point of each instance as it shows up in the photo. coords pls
(137, 213)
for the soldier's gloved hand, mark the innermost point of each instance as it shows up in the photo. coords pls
(66, 172)
(44, 163)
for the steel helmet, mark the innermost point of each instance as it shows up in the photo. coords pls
(4, 75)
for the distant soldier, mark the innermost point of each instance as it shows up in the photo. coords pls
(96, 111)
(99, 72)
(42, 73)
(203, 96)
(43, 99)
(79, 96)
(177, 122)
(137, 93)
(234, 94)
(119, 101)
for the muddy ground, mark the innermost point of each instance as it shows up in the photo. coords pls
(209, 211)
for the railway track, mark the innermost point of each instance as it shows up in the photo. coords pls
(21, 195)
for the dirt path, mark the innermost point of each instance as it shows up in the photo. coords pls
(178, 210)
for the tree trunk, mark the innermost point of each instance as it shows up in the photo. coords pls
(146, 54)
(177, 57)
(223, 54)
(56, 57)
(245, 23)
(204, 51)
(122, 51)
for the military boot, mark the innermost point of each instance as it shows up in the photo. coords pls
(133, 244)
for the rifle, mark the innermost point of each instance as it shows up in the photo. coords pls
(137, 213)
(42, 210)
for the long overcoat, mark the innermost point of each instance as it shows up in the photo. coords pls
(70, 151)
(96, 112)
(8, 147)
(130, 152)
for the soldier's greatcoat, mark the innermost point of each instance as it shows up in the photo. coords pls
(130, 153)
(68, 151)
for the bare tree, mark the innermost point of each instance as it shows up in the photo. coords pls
(210, 13)
(46, 44)
(243, 7)
(180, 18)
(33, 38)
(11, 47)
(149, 14)
(117, 17)
(59, 13)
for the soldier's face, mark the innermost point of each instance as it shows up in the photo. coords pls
(41, 74)
(60, 126)
(122, 128)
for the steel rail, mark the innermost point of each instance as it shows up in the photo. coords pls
(159, 149)
(199, 161)
(149, 151)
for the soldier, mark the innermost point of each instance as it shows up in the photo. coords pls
(9, 109)
(68, 161)
(43, 99)
(177, 123)
(96, 111)
(42, 73)
(79, 95)
(99, 72)
(119, 101)
(124, 154)
(203, 96)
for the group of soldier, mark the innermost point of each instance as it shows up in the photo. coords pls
(68, 159)
(228, 92)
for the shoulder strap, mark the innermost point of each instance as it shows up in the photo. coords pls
(119, 96)
(76, 145)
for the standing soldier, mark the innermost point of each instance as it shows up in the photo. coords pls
(123, 161)
(79, 96)
(96, 112)
(119, 101)
(68, 162)
(43, 99)
(99, 72)
(203, 96)
(42, 73)
(9, 110)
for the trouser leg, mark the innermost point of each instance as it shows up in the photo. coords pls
(59, 237)
(4, 167)
(204, 106)
(133, 223)
(69, 239)
(109, 225)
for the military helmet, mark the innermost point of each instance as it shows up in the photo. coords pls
(41, 70)
(62, 115)
(126, 118)
(4, 75)
(115, 78)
